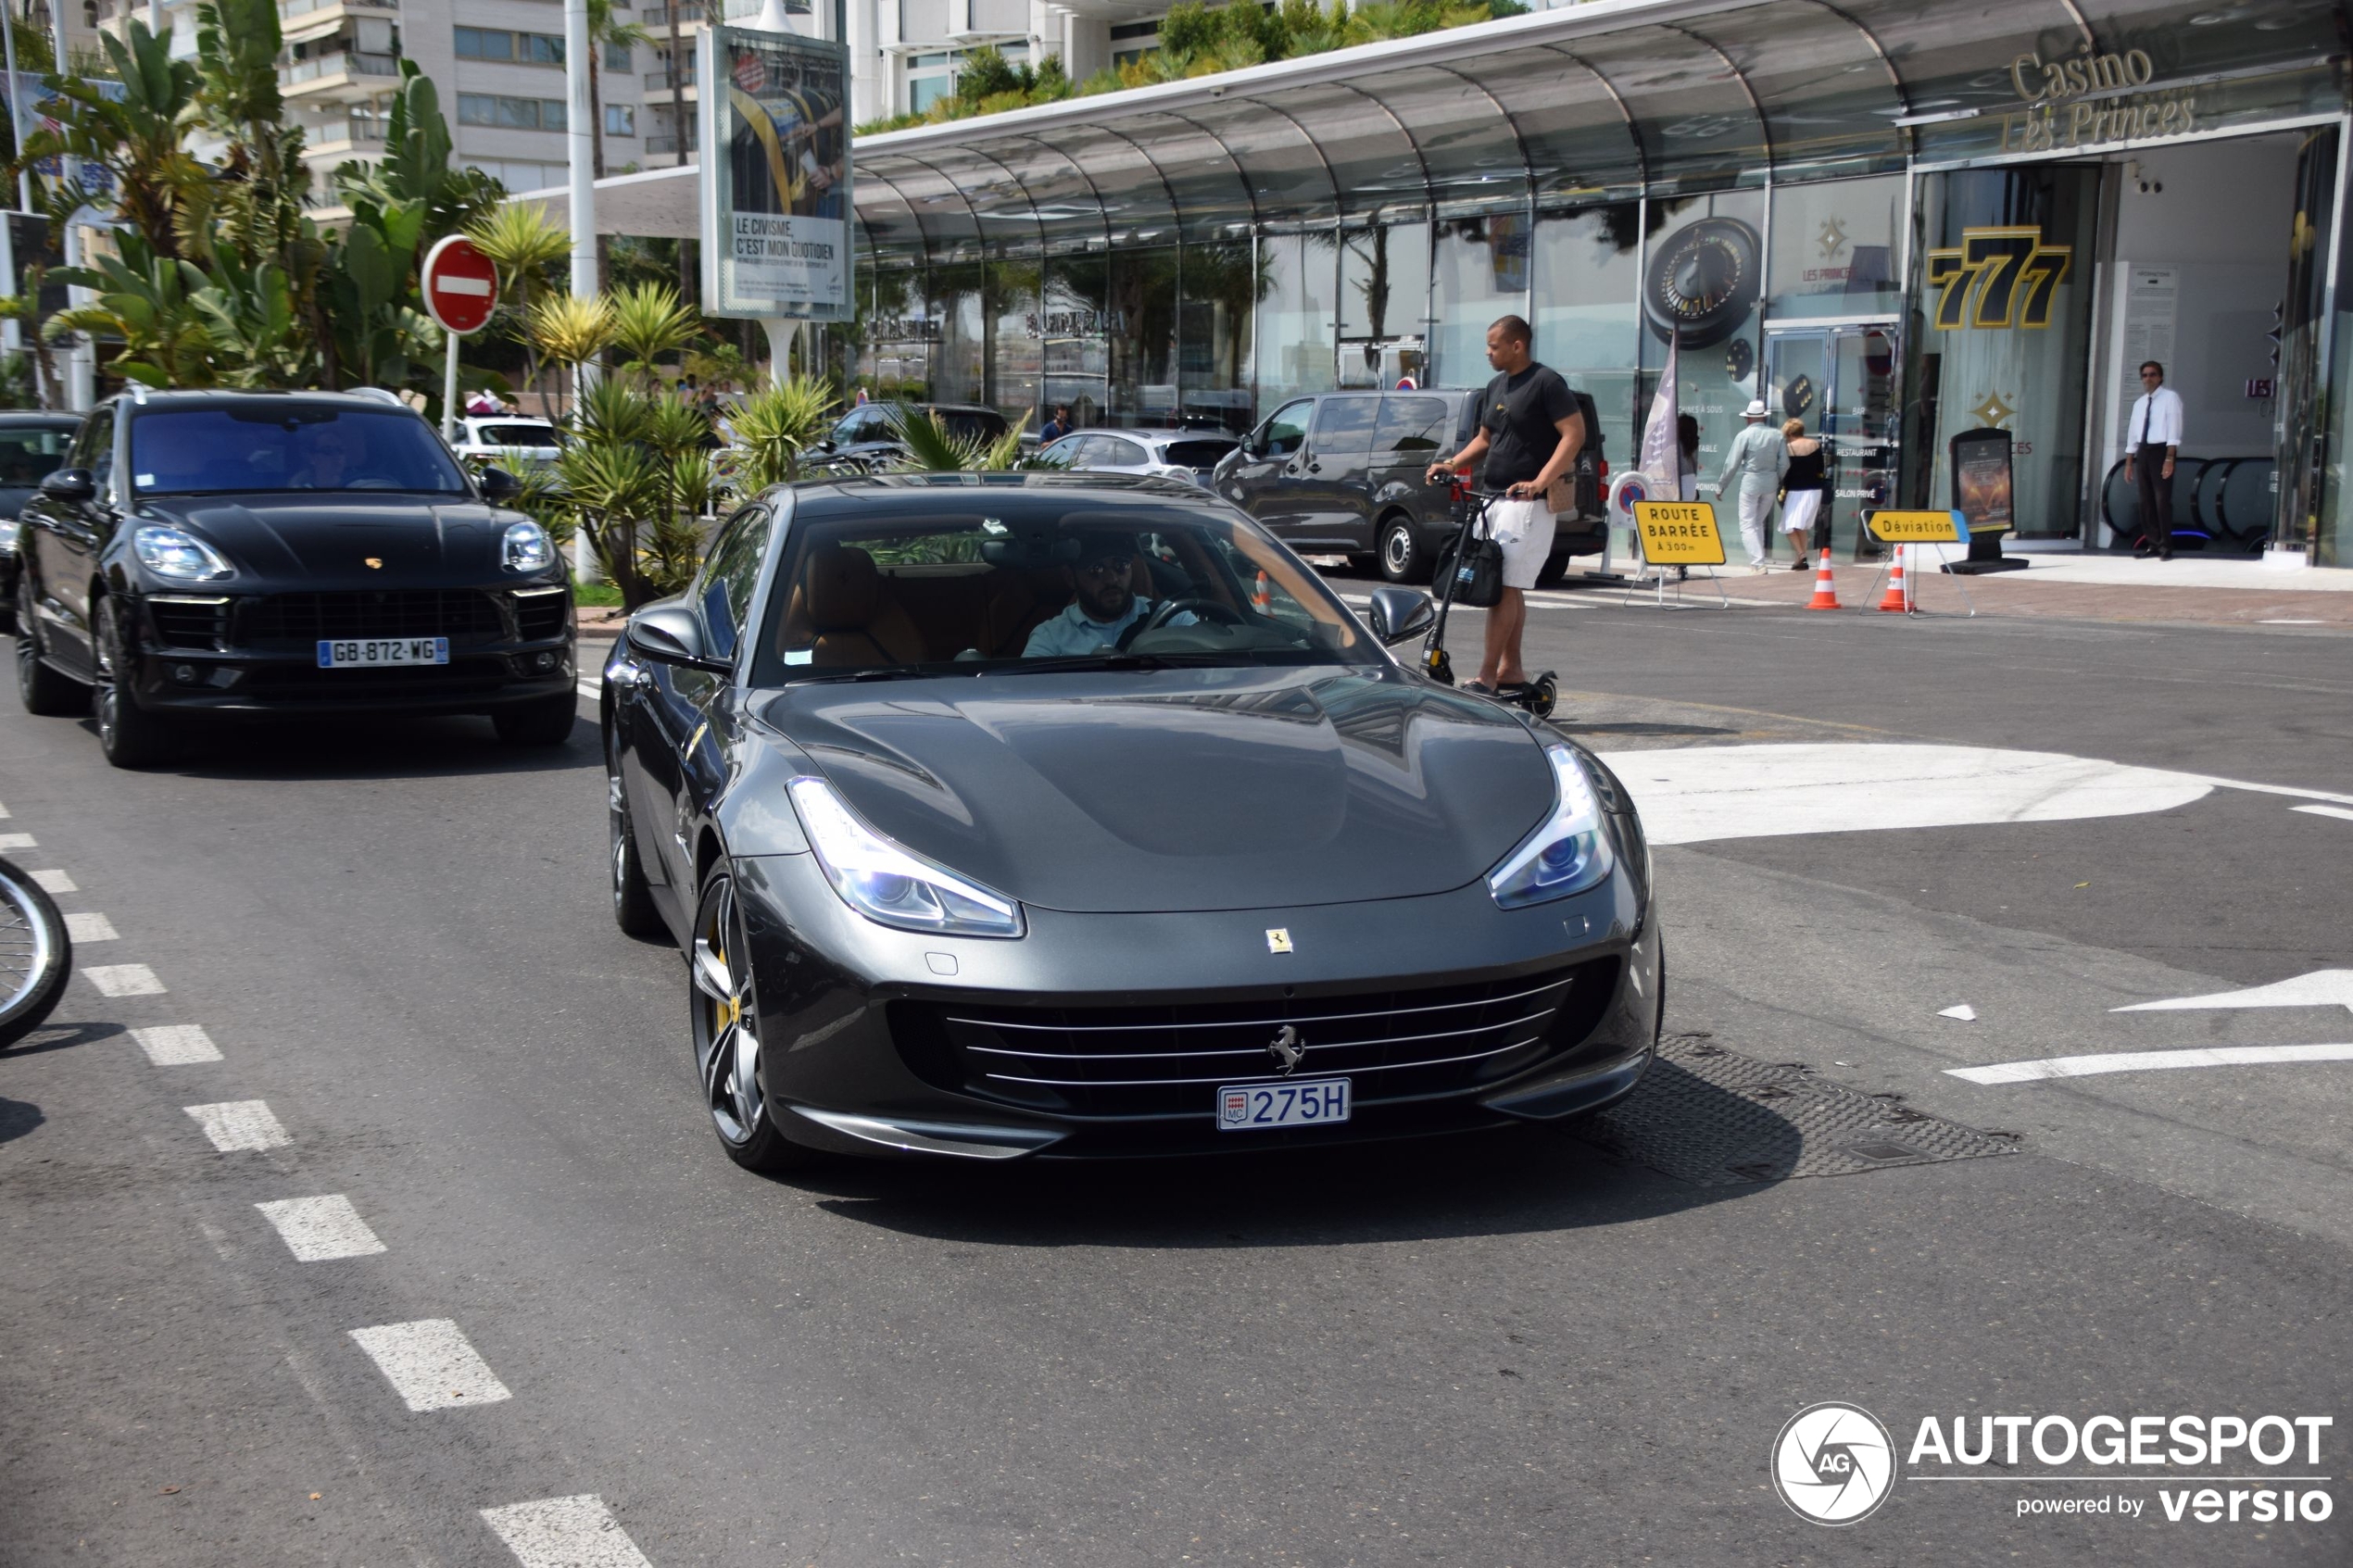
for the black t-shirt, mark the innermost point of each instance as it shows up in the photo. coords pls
(1522, 416)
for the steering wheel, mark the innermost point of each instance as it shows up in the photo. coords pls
(1169, 610)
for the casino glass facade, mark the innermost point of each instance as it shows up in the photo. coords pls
(1899, 222)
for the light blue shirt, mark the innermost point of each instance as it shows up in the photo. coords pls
(1758, 458)
(1076, 631)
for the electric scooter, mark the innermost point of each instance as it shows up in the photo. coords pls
(1470, 509)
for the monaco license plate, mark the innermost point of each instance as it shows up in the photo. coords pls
(1310, 1102)
(371, 652)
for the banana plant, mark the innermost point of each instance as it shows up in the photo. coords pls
(256, 325)
(135, 134)
(148, 301)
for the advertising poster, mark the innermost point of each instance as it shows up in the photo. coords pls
(776, 181)
(1981, 480)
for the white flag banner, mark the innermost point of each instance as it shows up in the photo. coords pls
(1659, 453)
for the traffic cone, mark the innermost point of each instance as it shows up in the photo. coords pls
(1897, 599)
(1825, 587)
(1260, 600)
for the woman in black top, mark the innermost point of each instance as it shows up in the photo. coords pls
(1801, 490)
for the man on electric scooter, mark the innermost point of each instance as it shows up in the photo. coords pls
(1529, 431)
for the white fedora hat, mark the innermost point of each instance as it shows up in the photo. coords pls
(1755, 409)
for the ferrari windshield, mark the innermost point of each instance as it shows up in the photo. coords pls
(1100, 584)
(267, 446)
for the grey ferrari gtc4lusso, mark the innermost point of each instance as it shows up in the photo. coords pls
(1037, 814)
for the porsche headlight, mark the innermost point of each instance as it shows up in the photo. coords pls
(892, 886)
(178, 554)
(1568, 854)
(526, 547)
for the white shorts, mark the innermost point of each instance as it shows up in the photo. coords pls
(1525, 529)
(1799, 510)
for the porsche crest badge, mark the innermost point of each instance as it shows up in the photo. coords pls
(375, 563)
(1278, 939)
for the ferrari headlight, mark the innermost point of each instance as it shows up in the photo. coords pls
(176, 553)
(1568, 854)
(892, 886)
(526, 547)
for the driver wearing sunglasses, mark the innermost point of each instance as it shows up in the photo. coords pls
(1104, 603)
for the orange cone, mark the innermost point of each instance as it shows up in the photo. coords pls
(1825, 587)
(1260, 598)
(1898, 598)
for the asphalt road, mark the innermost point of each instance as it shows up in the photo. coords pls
(1528, 1350)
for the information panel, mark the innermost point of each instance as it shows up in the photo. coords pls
(775, 176)
(1679, 532)
(1918, 527)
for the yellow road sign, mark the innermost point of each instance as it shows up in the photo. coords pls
(1679, 532)
(1919, 528)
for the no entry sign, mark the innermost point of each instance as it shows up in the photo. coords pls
(460, 285)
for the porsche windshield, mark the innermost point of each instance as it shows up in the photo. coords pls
(264, 447)
(1097, 585)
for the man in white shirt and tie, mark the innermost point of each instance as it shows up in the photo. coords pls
(2155, 440)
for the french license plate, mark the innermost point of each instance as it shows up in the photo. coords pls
(1310, 1102)
(368, 653)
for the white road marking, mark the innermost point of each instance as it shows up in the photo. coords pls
(2147, 1061)
(1698, 794)
(318, 1229)
(4, 812)
(565, 1533)
(2322, 989)
(55, 882)
(2338, 811)
(1963, 1012)
(176, 1045)
(429, 1364)
(18, 841)
(235, 1125)
(89, 928)
(124, 980)
(587, 689)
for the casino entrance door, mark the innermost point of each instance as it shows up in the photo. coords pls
(1841, 378)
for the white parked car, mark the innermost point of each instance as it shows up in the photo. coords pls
(514, 442)
(1175, 454)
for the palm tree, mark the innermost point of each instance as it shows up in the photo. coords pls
(135, 135)
(604, 30)
(649, 320)
(571, 330)
(522, 243)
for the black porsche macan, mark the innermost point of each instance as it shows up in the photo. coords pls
(1037, 814)
(205, 556)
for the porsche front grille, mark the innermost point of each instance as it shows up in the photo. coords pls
(392, 612)
(1169, 1059)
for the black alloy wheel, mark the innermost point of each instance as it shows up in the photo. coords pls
(128, 733)
(633, 900)
(724, 1000)
(1402, 560)
(41, 689)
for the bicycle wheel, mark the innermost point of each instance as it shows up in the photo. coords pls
(35, 955)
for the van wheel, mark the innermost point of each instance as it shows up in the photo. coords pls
(1402, 560)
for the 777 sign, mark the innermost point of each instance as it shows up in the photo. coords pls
(1997, 278)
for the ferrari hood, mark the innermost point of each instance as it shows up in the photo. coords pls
(1208, 789)
(333, 538)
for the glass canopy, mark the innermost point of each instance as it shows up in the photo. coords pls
(1565, 108)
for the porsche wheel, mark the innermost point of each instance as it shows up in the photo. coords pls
(632, 902)
(128, 733)
(41, 689)
(723, 999)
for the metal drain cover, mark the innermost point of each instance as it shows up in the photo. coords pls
(1713, 1117)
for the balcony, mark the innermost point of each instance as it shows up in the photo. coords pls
(664, 143)
(301, 20)
(350, 73)
(657, 20)
(657, 79)
(353, 137)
